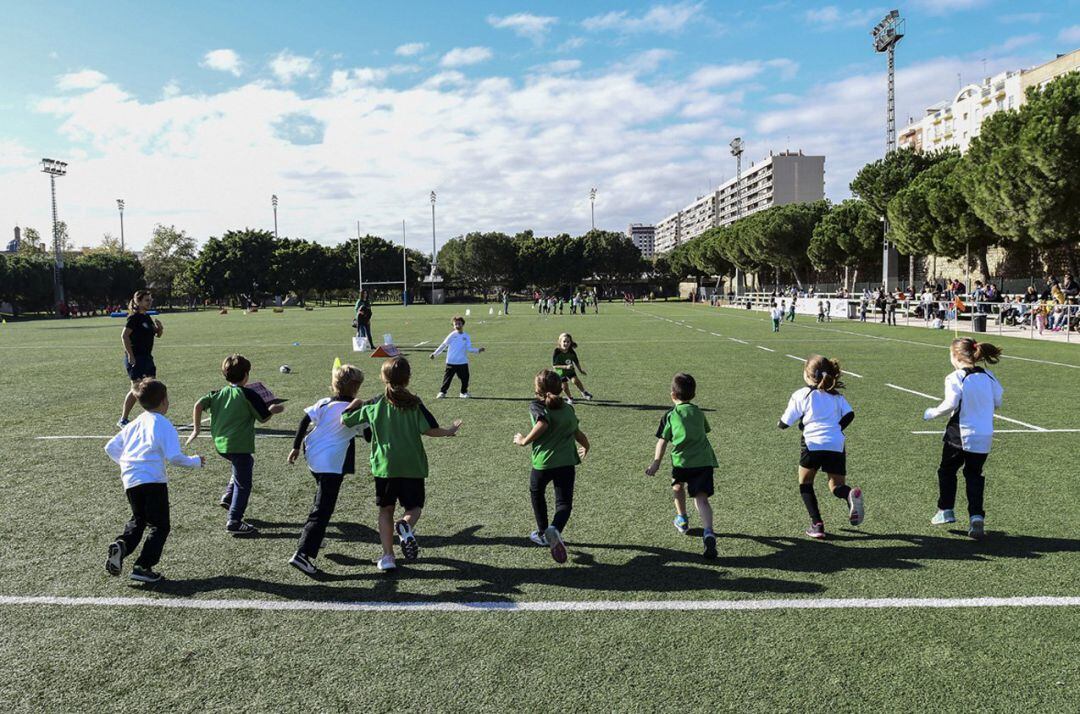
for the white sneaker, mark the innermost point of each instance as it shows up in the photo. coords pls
(943, 516)
(464, 395)
(538, 538)
(386, 563)
(976, 527)
(570, 401)
(856, 513)
(440, 395)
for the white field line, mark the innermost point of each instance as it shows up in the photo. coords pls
(1015, 431)
(548, 606)
(767, 349)
(1021, 423)
(912, 391)
(736, 339)
(800, 359)
(699, 329)
(996, 416)
(716, 334)
(421, 344)
(201, 436)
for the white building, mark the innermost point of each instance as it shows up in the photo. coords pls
(643, 237)
(953, 123)
(777, 180)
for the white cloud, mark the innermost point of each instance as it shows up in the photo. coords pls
(832, 17)
(465, 56)
(223, 60)
(1018, 41)
(722, 74)
(645, 62)
(571, 44)
(410, 49)
(944, 7)
(665, 19)
(524, 24)
(83, 79)
(287, 67)
(342, 80)
(559, 66)
(1070, 34)
(171, 89)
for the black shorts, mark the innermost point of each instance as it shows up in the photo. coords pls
(143, 367)
(409, 492)
(566, 375)
(831, 462)
(698, 480)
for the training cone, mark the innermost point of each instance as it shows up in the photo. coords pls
(467, 312)
(387, 350)
(337, 363)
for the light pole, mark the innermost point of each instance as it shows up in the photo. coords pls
(737, 151)
(273, 202)
(55, 168)
(120, 205)
(432, 248)
(592, 206)
(887, 33)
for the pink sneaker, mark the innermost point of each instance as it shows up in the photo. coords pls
(816, 531)
(558, 548)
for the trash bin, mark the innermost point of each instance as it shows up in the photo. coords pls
(852, 310)
(978, 322)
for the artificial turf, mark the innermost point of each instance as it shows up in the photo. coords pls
(63, 503)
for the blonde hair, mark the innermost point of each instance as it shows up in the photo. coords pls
(395, 375)
(548, 388)
(967, 349)
(133, 304)
(558, 342)
(346, 381)
(822, 373)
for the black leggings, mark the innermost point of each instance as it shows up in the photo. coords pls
(327, 487)
(462, 372)
(952, 459)
(563, 479)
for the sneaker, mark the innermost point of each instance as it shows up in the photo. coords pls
(975, 527)
(115, 561)
(440, 395)
(555, 541)
(145, 575)
(855, 501)
(240, 529)
(587, 396)
(464, 395)
(409, 547)
(538, 538)
(816, 530)
(123, 422)
(710, 546)
(386, 563)
(303, 563)
(682, 524)
(943, 516)
(570, 401)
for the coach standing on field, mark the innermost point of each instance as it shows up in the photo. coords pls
(138, 338)
(362, 312)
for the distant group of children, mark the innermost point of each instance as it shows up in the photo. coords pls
(394, 422)
(579, 301)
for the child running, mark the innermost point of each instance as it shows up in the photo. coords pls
(397, 419)
(553, 437)
(822, 414)
(458, 345)
(566, 364)
(777, 314)
(234, 409)
(971, 396)
(330, 454)
(141, 449)
(684, 426)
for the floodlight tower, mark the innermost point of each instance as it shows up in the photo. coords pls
(55, 168)
(120, 206)
(273, 202)
(592, 206)
(432, 247)
(887, 34)
(737, 151)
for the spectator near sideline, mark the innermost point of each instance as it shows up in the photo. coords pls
(362, 312)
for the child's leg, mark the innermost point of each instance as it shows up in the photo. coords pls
(678, 489)
(133, 530)
(386, 529)
(463, 375)
(838, 486)
(447, 378)
(564, 497)
(951, 461)
(412, 516)
(566, 388)
(701, 500)
(242, 467)
(538, 481)
(975, 482)
(129, 404)
(579, 385)
(156, 510)
(327, 487)
(806, 490)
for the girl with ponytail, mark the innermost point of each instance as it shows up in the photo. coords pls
(822, 414)
(138, 340)
(971, 396)
(558, 446)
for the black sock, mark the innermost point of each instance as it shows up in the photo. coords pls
(806, 490)
(842, 491)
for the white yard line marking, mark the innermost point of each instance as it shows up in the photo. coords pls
(996, 416)
(1021, 423)
(736, 339)
(912, 391)
(421, 344)
(859, 376)
(767, 349)
(548, 606)
(800, 359)
(699, 329)
(1015, 431)
(716, 334)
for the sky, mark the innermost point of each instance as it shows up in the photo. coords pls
(196, 113)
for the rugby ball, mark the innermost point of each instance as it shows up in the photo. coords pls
(285, 369)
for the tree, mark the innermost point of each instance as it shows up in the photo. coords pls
(848, 236)
(28, 284)
(167, 257)
(109, 244)
(488, 260)
(30, 241)
(98, 279)
(297, 267)
(610, 256)
(877, 182)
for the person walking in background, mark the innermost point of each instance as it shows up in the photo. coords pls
(362, 320)
(138, 338)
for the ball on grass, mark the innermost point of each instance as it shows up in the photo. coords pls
(285, 369)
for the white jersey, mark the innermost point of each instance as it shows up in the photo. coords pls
(143, 447)
(777, 313)
(820, 414)
(458, 345)
(327, 447)
(971, 396)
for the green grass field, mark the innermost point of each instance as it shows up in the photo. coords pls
(62, 503)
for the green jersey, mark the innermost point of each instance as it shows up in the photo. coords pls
(556, 446)
(233, 412)
(685, 427)
(565, 362)
(397, 450)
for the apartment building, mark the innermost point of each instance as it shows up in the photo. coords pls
(643, 237)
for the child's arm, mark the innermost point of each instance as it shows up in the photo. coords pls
(583, 444)
(170, 446)
(439, 431)
(469, 345)
(196, 422)
(577, 363)
(441, 347)
(953, 391)
(115, 447)
(538, 429)
(301, 432)
(125, 337)
(661, 446)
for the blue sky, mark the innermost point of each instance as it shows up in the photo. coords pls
(196, 113)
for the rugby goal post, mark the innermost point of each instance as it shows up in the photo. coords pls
(404, 267)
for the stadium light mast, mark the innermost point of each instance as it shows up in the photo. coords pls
(273, 202)
(55, 168)
(120, 206)
(737, 151)
(887, 34)
(432, 248)
(592, 206)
